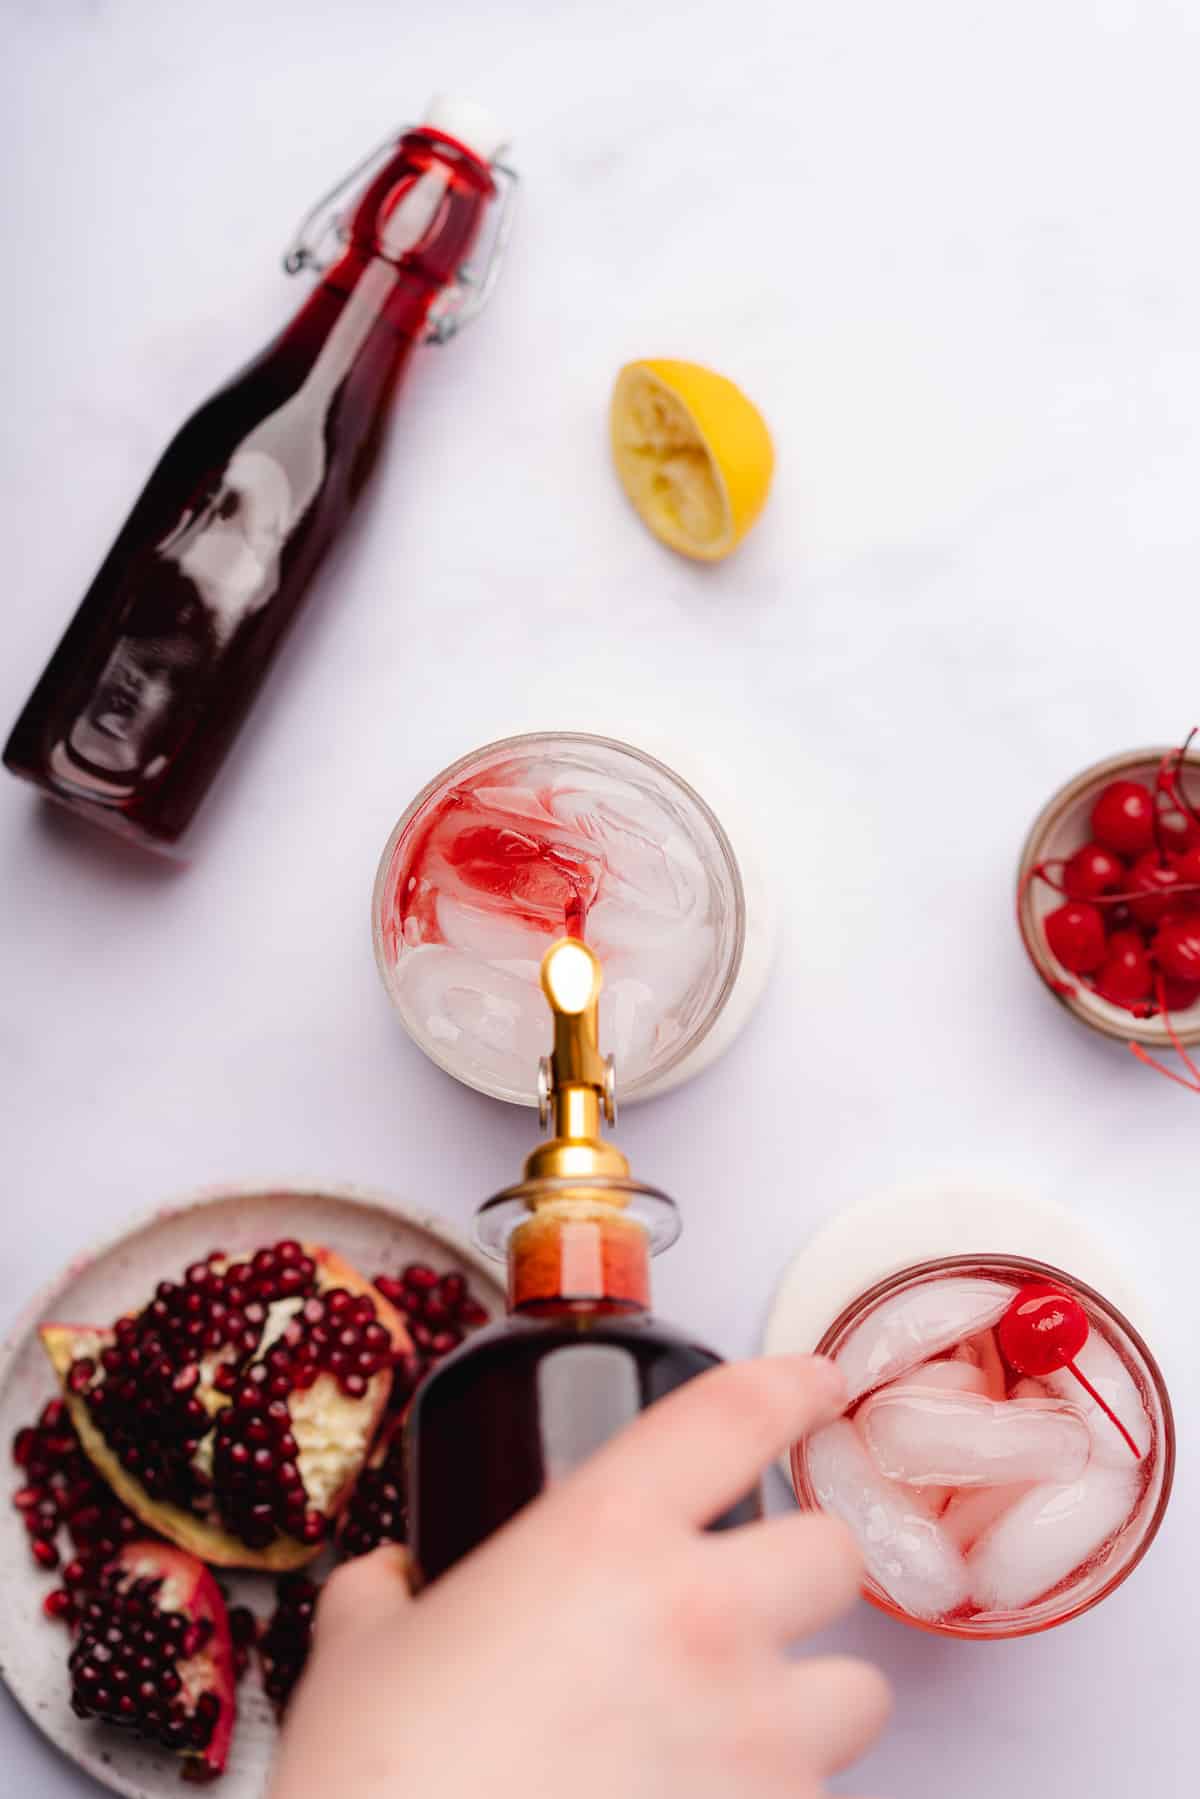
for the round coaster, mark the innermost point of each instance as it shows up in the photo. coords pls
(919, 1223)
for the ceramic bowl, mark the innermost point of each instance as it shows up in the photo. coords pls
(1059, 829)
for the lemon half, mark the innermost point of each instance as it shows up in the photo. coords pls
(693, 454)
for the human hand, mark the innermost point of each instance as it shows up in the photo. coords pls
(603, 1642)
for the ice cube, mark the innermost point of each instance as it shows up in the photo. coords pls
(634, 848)
(925, 1437)
(1101, 1364)
(494, 1022)
(490, 933)
(907, 1552)
(952, 1377)
(614, 927)
(521, 802)
(628, 1020)
(987, 1354)
(976, 1509)
(917, 1324)
(1049, 1534)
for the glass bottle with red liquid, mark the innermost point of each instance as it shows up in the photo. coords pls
(144, 695)
(524, 1402)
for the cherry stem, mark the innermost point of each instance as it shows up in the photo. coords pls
(1180, 792)
(1086, 1384)
(1161, 1068)
(1192, 1085)
(1107, 899)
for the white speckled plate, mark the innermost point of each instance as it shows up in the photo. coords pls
(376, 1236)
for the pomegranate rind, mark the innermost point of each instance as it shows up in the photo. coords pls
(64, 1343)
(212, 1669)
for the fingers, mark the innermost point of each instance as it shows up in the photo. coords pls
(368, 1590)
(837, 1707)
(699, 1451)
(789, 1575)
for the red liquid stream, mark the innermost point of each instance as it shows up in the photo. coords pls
(144, 695)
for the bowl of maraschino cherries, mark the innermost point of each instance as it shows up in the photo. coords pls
(1108, 900)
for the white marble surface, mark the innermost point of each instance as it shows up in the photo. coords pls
(951, 250)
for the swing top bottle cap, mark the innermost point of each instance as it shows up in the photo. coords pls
(468, 123)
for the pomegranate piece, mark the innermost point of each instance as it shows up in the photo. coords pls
(1123, 818)
(235, 1411)
(284, 1645)
(1075, 935)
(153, 1654)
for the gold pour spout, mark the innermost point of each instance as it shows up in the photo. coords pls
(575, 1084)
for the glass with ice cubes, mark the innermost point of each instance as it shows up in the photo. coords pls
(990, 1501)
(559, 832)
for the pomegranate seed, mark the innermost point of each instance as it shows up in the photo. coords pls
(453, 1290)
(60, 1605)
(44, 1552)
(419, 1278)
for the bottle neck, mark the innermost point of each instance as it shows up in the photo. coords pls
(575, 1256)
(414, 228)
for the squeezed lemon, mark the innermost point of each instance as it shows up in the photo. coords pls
(693, 454)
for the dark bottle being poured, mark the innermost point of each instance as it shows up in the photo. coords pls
(523, 1403)
(143, 697)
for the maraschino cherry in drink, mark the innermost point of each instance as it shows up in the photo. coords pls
(144, 695)
(1007, 1455)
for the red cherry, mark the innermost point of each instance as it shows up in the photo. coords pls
(1153, 881)
(1178, 996)
(1043, 1330)
(1075, 934)
(1091, 871)
(1187, 867)
(1176, 948)
(1123, 817)
(1178, 832)
(1126, 975)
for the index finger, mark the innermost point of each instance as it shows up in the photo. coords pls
(694, 1454)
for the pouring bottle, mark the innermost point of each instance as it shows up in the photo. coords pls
(523, 1402)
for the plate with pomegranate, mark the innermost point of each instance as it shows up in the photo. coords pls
(202, 1416)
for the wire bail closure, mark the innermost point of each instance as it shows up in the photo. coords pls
(323, 233)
